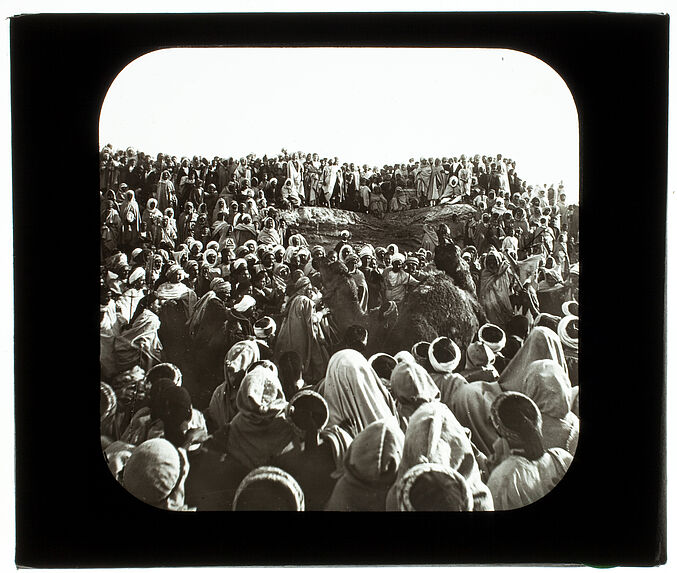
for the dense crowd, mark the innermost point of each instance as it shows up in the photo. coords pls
(230, 380)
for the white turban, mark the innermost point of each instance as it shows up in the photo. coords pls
(567, 340)
(136, 274)
(451, 347)
(245, 304)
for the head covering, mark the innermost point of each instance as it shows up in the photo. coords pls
(250, 259)
(434, 435)
(155, 473)
(281, 275)
(367, 251)
(542, 343)
(493, 336)
(219, 285)
(239, 358)
(299, 285)
(165, 370)
(444, 354)
(383, 363)
(136, 252)
(412, 386)
(433, 487)
(174, 273)
(245, 304)
(570, 308)
(136, 274)
(395, 249)
(567, 329)
(549, 387)
(510, 411)
(239, 263)
(354, 392)
(420, 352)
(264, 327)
(345, 251)
(370, 467)
(412, 260)
(308, 411)
(206, 254)
(269, 488)
(345, 234)
(317, 252)
(547, 320)
(397, 257)
(479, 355)
(259, 431)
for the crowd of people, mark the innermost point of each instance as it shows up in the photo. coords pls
(226, 382)
(292, 180)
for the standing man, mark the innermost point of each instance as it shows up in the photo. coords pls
(464, 177)
(396, 281)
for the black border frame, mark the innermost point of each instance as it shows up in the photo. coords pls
(610, 507)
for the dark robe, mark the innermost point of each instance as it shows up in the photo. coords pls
(312, 470)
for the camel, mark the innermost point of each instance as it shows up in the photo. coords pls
(437, 307)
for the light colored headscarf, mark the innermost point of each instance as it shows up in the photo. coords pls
(280, 281)
(398, 257)
(240, 357)
(268, 236)
(547, 384)
(412, 386)
(136, 274)
(354, 392)
(245, 304)
(271, 475)
(542, 343)
(156, 473)
(435, 436)
(204, 257)
(259, 431)
(549, 387)
(369, 468)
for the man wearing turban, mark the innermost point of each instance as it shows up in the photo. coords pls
(300, 331)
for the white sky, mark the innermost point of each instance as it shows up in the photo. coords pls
(363, 105)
